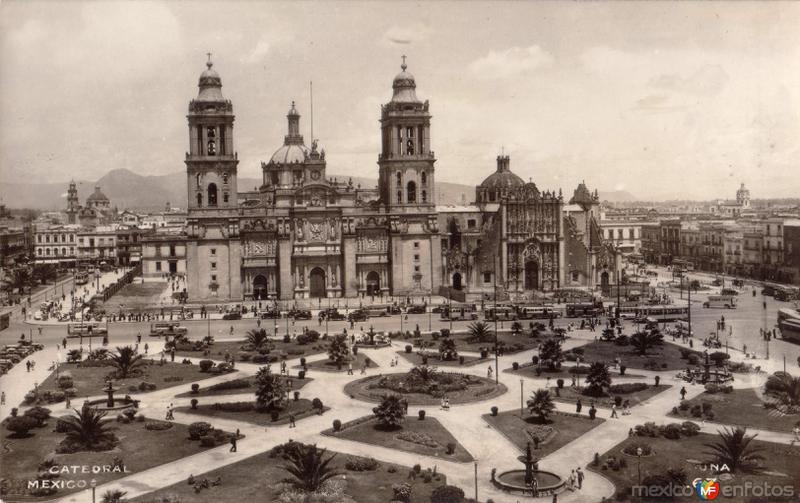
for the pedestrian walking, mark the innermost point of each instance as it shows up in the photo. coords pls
(579, 472)
(683, 392)
(28, 365)
(534, 487)
(146, 348)
(350, 369)
(2, 397)
(170, 416)
(572, 480)
(614, 411)
(578, 406)
(364, 369)
(291, 421)
(64, 343)
(489, 372)
(233, 443)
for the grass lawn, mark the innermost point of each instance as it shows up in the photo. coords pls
(782, 465)
(138, 448)
(562, 429)
(571, 395)
(300, 408)
(224, 388)
(90, 381)
(741, 407)
(136, 295)
(509, 342)
(326, 365)
(258, 479)
(433, 359)
(426, 438)
(278, 348)
(667, 356)
(563, 372)
(372, 389)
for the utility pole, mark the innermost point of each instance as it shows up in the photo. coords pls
(496, 357)
(689, 303)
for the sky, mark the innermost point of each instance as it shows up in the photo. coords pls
(661, 99)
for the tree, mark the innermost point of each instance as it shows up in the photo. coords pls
(338, 352)
(480, 332)
(390, 412)
(785, 388)
(447, 494)
(127, 361)
(516, 327)
(694, 285)
(74, 355)
(270, 390)
(550, 352)
(86, 427)
(598, 378)
(642, 341)
(114, 496)
(734, 450)
(309, 467)
(541, 404)
(423, 373)
(447, 349)
(20, 425)
(257, 337)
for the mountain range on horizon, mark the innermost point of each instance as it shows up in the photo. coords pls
(129, 190)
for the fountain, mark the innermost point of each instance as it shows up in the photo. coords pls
(522, 481)
(110, 403)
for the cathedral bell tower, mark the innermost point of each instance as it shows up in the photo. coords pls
(406, 161)
(212, 250)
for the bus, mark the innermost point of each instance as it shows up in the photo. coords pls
(459, 312)
(582, 309)
(86, 329)
(726, 301)
(786, 293)
(789, 324)
(537, 313)
(500, 313)
(664, 314)
(682, 265)
(167, 328)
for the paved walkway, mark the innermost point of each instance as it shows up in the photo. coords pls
(490, 448)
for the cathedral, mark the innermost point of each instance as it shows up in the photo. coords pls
(96, 211)
(304, 235)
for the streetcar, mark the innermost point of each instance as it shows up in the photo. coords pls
(500, 313)
(459, 312)
(664, 314)
(86, 329)
(726, 301)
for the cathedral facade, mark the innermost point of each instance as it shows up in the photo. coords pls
(302, 234)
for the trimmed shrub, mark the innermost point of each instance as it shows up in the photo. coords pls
(195, 388)
(689, 428)
(671, 431)
(274, 415)
(337, 425)
(515, 366)
(534, 359)
(628, 387)
(622, 369)
(65, 381)
(301, 374)
(232, 384)
(234, 406)
(20, 425)
(401, 492)
(317, 404)
(39, 414)
(447, 494)
(199, 429)
(421, 415)
(494, 410)
(693, 359)
(193, 402)
(296, 396)
(361, 464)
(206, 365)
(451, 447)
(157, 425)
(409, 348)
(560, 383)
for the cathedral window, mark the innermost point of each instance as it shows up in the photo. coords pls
(410, 147)
(199, 199)
(411, 192)
(487, 277)
(212, 147)
(424, 195)
(399, 196)
(423, 178)
(197, 179)
(225, 197)
(211, 132)
(471, 223)
(399, 179)
(212, 194)
(225, 178)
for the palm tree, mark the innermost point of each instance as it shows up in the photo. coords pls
(127, 361)
(598, 378)
(270, 390)
(390, 412)
(86, 427)
(643, 341)
(114, 496)
(309, 467)
(550, 352)
(256, 337)
(338, 351)
(424, 373)
(733, 449)
(541, 404)
(480, 332)
(785, 388)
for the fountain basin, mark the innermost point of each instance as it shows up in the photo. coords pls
(120, 404)
(513, 481)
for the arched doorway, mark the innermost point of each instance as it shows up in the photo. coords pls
(457, 281)
(317, 283)
(531, 275)
(373, 283)
(604, 283)
(212, 194)
(260, 287)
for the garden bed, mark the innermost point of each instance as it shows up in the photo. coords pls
(665, 357)
(246, 411)
(237, 387)
(415, 358)
(562, 429)
(259, 478)
(279, 350)
(474, 389)
(571, 395)
(326, 365)
(743, 407)
(424, 437)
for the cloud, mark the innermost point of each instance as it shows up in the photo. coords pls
(404, 35)
(708, 80)
(511, 62)
(656, 103)
(258, 52)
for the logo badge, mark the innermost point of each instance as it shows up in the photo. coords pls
(706, 489)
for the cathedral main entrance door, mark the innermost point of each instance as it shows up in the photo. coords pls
(604, 283)
(317, 283)
(373, 283)
(260, 287)
(531, 275)
(457, 281)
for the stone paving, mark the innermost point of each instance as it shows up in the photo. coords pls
(489, 447)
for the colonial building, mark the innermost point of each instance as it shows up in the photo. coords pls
(96, 211)
(304, 235)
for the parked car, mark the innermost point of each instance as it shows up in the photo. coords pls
(232, 316)
(416, 309)
(358, 315)
(300, 314)
(332, 314)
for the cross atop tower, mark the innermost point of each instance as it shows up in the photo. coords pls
(404, 66)
(209, 64)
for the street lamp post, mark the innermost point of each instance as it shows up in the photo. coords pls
(521, 399)
(430, 313)
(639, 453)
(93, 484)
(476, 480)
